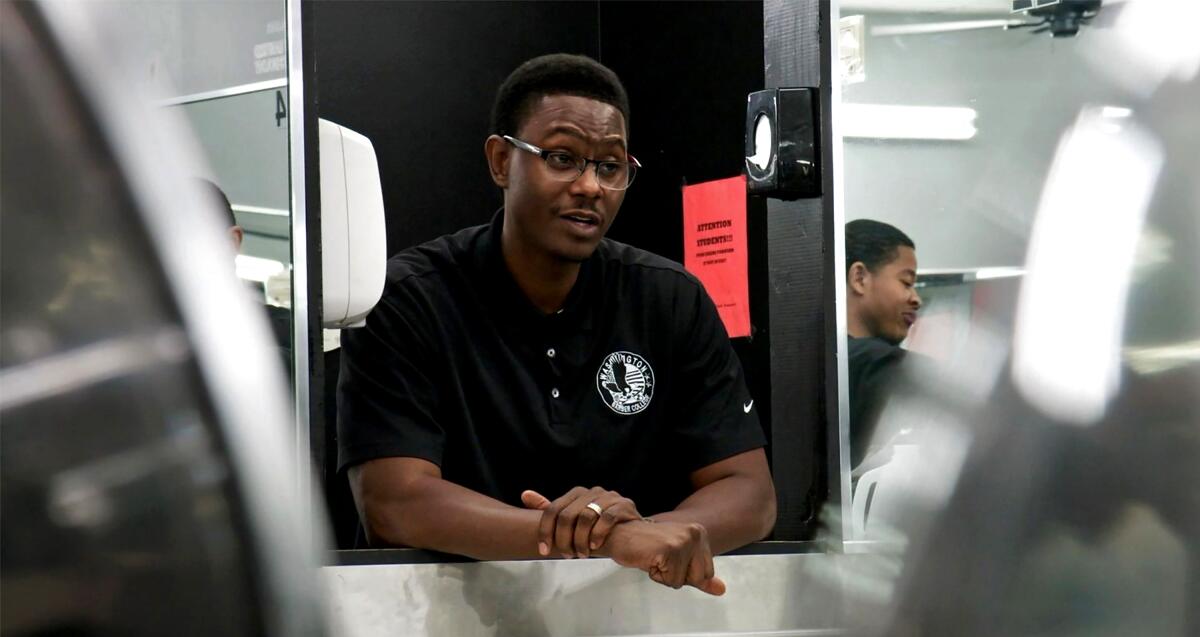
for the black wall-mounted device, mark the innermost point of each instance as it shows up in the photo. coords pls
(782, 143)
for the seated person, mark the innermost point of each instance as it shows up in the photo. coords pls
(530, 389)
(881, 305)
(280, 317)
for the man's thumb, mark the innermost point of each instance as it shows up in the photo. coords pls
(534, 500)
(714, 586)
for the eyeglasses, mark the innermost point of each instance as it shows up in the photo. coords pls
(563, 166)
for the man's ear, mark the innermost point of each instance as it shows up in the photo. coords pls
(497, 151)
(236, 234)
(858, 278)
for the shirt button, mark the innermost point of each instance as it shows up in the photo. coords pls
(550, 352)
(554, 393)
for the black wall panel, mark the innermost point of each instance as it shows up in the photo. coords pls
(688, 68)
(418, 78)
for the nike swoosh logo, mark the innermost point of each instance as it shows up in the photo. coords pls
(746, 408)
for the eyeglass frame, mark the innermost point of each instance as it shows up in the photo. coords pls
(545, 154)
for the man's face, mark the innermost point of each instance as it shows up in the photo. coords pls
(564, 219)
(889, 297)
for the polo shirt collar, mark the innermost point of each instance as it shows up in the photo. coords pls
(510, 303)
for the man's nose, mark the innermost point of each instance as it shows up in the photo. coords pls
(588, 183)
(915, 300)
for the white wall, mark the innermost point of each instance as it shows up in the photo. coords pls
(966, 204)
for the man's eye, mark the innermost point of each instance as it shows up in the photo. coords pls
(609, 168)
(561, 161)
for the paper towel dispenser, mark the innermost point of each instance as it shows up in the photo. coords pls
(353, 230)
(783, 150)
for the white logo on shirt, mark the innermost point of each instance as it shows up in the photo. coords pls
(625, 382)
(748, 406)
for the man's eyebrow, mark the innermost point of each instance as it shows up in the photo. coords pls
(910, 272)
(572, 131)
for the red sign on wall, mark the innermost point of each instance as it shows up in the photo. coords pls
(714, 247)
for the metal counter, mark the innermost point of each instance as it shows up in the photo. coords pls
(768, 594)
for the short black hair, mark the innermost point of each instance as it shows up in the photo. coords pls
(554, 74)
(874, 243)
(217, 198)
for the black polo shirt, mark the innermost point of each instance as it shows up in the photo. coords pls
(631, 386)
(873, 367)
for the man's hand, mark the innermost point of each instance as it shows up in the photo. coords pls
(573, 529)
(672, 553)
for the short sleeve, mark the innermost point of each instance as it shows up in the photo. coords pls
(387, 395)
(720, 417)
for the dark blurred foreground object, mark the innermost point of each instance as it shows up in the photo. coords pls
(144, 461)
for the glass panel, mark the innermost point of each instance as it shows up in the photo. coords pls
(1021, 448)
(949, 123)
(223, 65)
(245, 140)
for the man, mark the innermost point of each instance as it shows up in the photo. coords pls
(280, 317)
(508, 368)
(219, 200)
(881, 305)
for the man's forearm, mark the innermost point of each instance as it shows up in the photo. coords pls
(431, 513)
(736, 510)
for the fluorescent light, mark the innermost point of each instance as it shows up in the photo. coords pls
(256, 268)
(274, 212)
(890, 121)
(1154, 360)
(998, 273)
(926, 28)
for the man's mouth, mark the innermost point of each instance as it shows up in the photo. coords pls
(583, 218)
(910, 318)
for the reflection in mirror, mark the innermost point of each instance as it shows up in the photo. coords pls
(244, 140)
(1025, 461)
(881, 306)
(946, 145)
(223, 67)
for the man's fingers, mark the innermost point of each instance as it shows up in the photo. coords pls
(573, 528)
(534, 500)
(676, 569)
(549, 521)
(574, 515)
(585, 530)
(700, 570)
(714, 586)
(613, 512)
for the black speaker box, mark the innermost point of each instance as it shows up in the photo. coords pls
(788, 118)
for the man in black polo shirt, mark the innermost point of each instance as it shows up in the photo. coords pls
(881, 305)
(530, 389)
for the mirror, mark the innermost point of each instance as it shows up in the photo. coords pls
(223, 67)
(950, 117)
(1024, 453)
(244, 138)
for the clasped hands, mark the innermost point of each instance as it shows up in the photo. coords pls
(674, 554)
